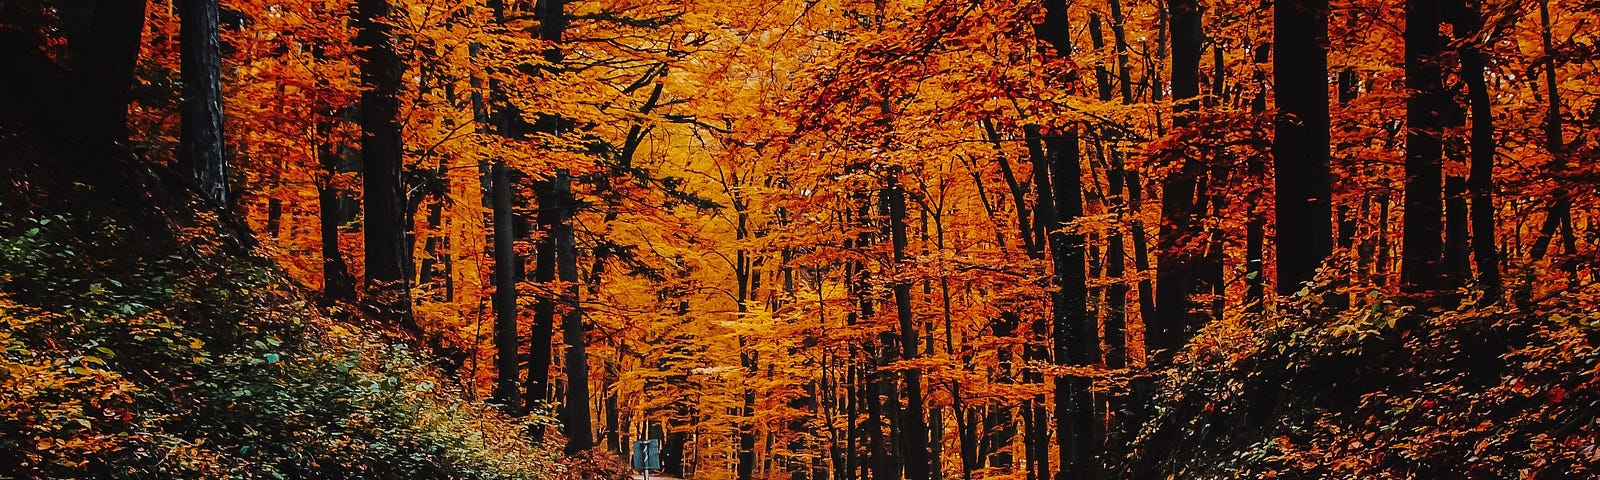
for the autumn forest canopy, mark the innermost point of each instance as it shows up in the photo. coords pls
(800, 239)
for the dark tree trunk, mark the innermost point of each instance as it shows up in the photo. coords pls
(337, 284)
(1300, 141)
(672, 448)
(435, 266)
(1255, 277)
(537, 386)
(1116, 255)
(1116, 321)
(506, 263)
(200, 145)
(274, 217)
(1255, 225)
(575, 419)
(434, 269)
(1000, 425)
(1074, 331)
(913, 429)
(1422, 243)
(1141, 249)
(744, 275)
(614, 437)
(1129, 178)
(383, 181)
(1455, 264)
(1177, 276)
(1560, 212)
(1045, 220)
(552, 217)
(103, 69)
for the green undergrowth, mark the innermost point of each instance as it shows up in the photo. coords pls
(1384, 390)
(128, 355)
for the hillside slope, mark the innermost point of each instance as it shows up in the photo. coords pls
(140, 337)
(1386, 392)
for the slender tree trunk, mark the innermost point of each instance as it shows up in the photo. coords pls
(1001, 417)
(1456, 264)
(1141, 249)
(1176, 274)
(337, 284)
(913, 430)
(540, 341)
(1075, 331)
(576, 420)
(1385, 260)
(1116, 321)
(506, 340)
(1420, 269)
(1000, 424)
(1130, 178)
(1255, 277)
(435, 267)
(1255, 225)
(1300, 142)
(744, 274)
(1045, 220)
(614, 437)
(383, 182)
(552, 217)
(1560, 212)
(201, 143)
(1058, 180)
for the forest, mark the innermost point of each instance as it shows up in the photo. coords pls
(800, 239)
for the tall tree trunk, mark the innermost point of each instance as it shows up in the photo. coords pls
(575, 419)
(506, 340)
(745, 274)
(672, 461)
(1456, 264)
(1300, 141)
(1255, 276)
(201, 143)
(1176, 274)
(549, 218)
(1116, 321)
(1422, 244)
(337, 284)
(1255, 225)
(383, 181)
(1141, 249)
(1075, 331)
(913, 429)
(1560, 212)
(1001, 417)
(1000, 425)
(1045, 220)
(103, 69)
(435, 266)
